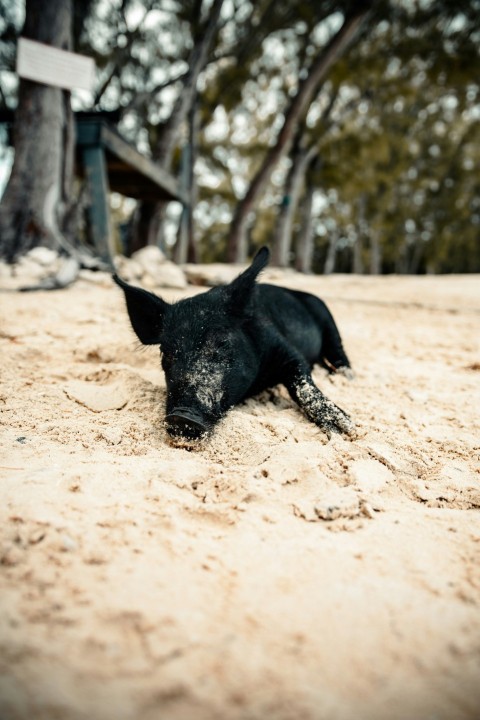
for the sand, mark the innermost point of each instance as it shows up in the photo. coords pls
(269, 574)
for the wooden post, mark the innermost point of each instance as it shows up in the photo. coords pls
(97, 179)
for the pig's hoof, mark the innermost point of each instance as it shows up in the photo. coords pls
(183, 423)
(346, 426)
(334, 420)
(347, 372)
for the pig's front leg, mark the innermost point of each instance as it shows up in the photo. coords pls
(316, 406)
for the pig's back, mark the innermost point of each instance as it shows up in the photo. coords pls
(293, 314)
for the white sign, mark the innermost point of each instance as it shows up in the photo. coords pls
(51, 66)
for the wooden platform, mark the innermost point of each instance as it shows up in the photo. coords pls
(110, 163)
(129, 172)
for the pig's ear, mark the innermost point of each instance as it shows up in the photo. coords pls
(241, 288)
(145, 310)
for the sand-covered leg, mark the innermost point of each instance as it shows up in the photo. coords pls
(316, 406)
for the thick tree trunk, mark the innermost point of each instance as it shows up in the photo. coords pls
(154, 213)
(38, 192)
(237, 239)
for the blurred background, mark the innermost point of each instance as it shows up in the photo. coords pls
(343, 134)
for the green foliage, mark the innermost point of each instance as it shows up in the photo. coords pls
(405, 137)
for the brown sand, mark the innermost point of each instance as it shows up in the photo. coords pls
(269, 574)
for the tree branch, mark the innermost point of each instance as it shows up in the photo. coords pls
(298, 107)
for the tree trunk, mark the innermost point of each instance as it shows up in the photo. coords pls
(237, 239)
(358, 266)
(185, 248)
(145, 227)
(375, 253)
(38, 192)
(416, 258)
(331, 257)
(304, 249)
(282, 237)
(358, 256)
(401, 258)
(163, 151)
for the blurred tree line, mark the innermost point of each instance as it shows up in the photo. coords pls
(345, 134)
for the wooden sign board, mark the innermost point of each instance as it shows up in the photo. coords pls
(51, 66)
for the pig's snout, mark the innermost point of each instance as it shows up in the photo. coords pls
(185, 423)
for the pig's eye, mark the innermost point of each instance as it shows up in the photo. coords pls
(222, 346)
(220, 352)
